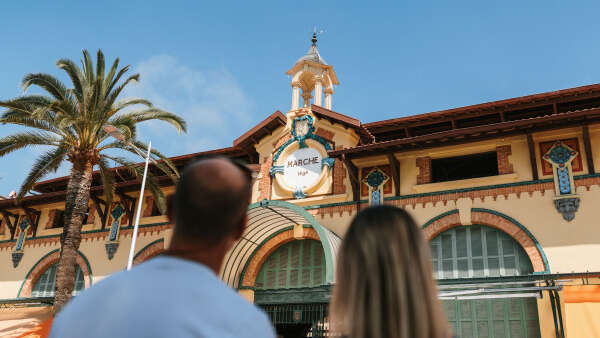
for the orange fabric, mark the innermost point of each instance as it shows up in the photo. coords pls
(40, 331)
(582, 294)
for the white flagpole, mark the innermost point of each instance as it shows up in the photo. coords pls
(139, 211)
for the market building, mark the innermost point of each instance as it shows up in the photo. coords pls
(507, 193)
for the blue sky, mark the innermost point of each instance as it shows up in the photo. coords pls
(222, 64)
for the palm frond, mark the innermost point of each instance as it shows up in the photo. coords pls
(162, 157)
(24, 119)
(109, 77)
(121, 104)
(45, 164)
(88, 68)
(112, 96)
(46, 81)
(152, 114)
(138, 171)
(116, 79)
(30, 104)
(100, 64)
(167, 167)
(75, 74)
(17, 141)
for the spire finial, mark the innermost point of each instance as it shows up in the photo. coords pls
(314, 37)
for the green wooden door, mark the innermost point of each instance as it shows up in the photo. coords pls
(295, 264)
(478, 251)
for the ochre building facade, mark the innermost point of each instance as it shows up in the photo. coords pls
(507, 192)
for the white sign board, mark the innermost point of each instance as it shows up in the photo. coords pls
(302, 168)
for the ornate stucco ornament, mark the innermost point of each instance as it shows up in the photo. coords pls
(375, 180)
(299, 165)
(560, 157)
(113, 237)
(17, 254)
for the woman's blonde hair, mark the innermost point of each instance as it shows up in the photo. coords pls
(384, 280)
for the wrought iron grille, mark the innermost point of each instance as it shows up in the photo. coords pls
(314, 316)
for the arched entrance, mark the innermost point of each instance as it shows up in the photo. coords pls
(297, 266)
(465, 252)
(285, 264)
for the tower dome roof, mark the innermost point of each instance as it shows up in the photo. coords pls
(313, 55)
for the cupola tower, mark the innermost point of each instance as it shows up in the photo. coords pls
(311, 74)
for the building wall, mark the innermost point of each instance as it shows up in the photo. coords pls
(91, 247)
(512, 194)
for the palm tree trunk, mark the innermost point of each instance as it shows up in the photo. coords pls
(76, 204)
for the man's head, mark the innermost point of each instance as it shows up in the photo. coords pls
(211, 201)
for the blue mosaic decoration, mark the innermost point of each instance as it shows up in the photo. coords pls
(376, 197)
(112, 245)
(275, 169)
(303, 128)
(302, 138)
(114, 228)
(21, 240)
(298, 194)
(560, 156)
(328, 161)
(375, 178)
(564, 181)
(17, 254)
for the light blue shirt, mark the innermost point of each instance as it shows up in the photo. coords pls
(164, 297)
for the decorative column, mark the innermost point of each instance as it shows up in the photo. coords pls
(560, 157)
(328, 92)
(375, 181)
(295, 95)
(318, 92)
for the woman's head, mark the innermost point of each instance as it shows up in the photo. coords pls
(384, 282)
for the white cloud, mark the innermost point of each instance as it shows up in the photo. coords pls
(212, 102)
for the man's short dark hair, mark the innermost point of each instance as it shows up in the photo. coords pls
(207, 206)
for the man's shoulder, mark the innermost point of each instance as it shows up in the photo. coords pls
(171, 292)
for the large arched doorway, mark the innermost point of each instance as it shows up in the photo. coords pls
(285, 264)
(293, 271)
(465, 252)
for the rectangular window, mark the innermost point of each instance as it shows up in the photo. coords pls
(464, 167)
(86, 216)
(59, 219)
(155, 211)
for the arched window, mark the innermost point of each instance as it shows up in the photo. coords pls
(476, 251)
(480, 251)
(296, 264)
(44, 286)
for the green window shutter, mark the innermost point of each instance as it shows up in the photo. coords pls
(478, 251)
(296, 264)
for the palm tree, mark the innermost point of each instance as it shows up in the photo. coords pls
(72, 122)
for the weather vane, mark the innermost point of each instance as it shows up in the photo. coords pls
(315, 34)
